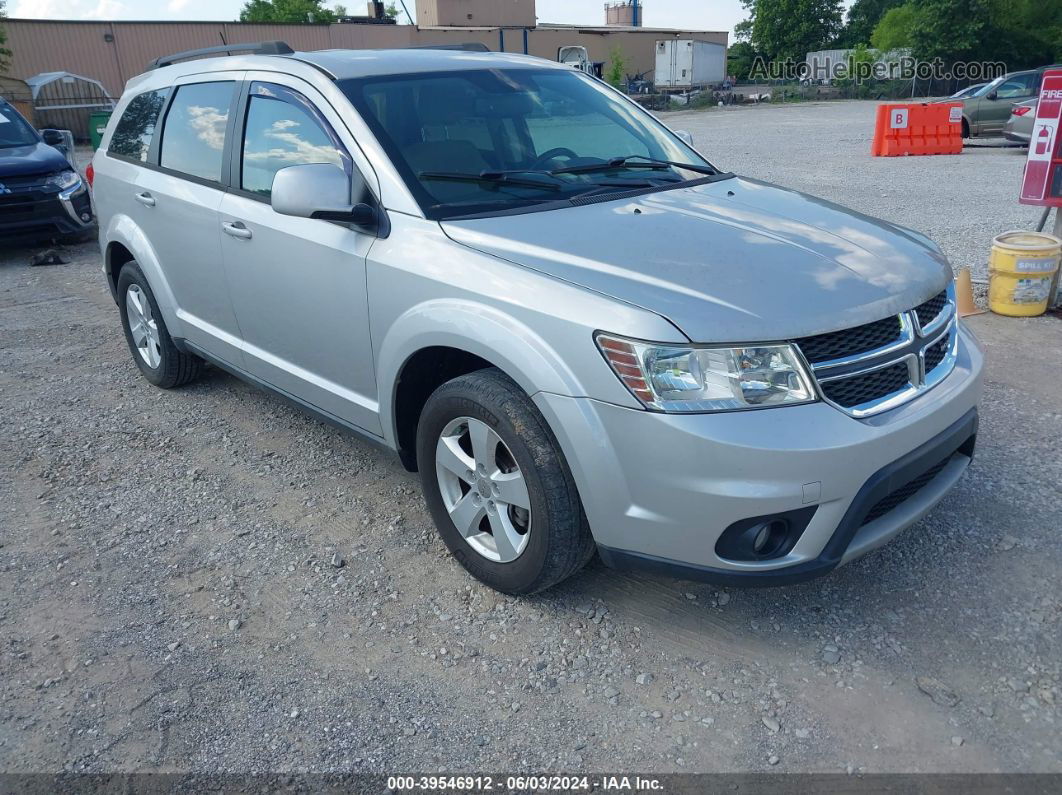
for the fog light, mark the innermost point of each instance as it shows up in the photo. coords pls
(86, 217)
(764, 537)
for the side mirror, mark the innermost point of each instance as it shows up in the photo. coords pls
(52, 137)
(685, 137)
(993, 96)
(318, 190)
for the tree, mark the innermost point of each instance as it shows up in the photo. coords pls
(739, 60)
(790, 29)
(893, 31)
(952, 30)
(286, 11)
(863, 18)
(1025, 33)
(617, 67)
(4, 52)
(340, 10)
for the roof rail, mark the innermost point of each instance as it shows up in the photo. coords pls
(468, 46)
(257, 48)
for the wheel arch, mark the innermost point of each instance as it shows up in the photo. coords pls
(126, 242)
(433, 343)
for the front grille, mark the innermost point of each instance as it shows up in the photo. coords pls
(850, 342)
(935, 353)
(904, 493)
(24, 181)
(19, 207)
(865, 387)
(931, 309)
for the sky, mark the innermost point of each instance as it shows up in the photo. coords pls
(710, 15)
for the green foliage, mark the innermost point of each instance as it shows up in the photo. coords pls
(340, 11)
(739, 58)
(850, 84)
(286, 11)
(617, 67)
(784, 29)
(893, 31)
(952, 30)
(863, 17)
(1025, 33)
(1019, 33)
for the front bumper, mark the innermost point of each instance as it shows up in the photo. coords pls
(660, 489)
(38, 214)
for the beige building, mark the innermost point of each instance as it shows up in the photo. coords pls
(458, 13)
(113, 52)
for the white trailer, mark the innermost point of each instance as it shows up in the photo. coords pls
(685, 64)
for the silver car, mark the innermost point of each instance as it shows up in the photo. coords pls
(1019, 127)
(583, 333)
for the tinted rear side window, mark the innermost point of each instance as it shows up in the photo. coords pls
(133, 133)
(193, 138)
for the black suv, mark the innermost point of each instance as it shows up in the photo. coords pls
(41, 195)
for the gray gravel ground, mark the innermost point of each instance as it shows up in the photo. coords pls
(205, 579)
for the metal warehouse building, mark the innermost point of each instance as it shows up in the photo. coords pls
(112, 52)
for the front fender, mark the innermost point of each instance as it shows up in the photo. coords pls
(482, 330)
(124, 230)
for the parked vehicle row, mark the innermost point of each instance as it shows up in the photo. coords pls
(987, 111)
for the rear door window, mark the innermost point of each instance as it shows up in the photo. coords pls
(193, 138)
(133, 133)
(283, 129)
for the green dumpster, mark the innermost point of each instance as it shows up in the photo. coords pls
(97, 125)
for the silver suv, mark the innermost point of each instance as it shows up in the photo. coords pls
(582, 333)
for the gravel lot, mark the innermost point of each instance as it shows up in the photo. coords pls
(206, 580)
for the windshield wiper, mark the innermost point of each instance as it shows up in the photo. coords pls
(643, 161)
(493, 177)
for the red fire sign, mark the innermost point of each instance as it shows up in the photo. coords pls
(1043, 170)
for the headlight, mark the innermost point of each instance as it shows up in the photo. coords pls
(675, 378)
(64, 180)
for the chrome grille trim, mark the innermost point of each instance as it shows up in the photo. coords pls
(910, 348)
(907, 336)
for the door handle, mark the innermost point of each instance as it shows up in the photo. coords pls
(145, 199)
(236, 229)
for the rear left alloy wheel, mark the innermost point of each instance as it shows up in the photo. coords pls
(498, 487)
(158, 359)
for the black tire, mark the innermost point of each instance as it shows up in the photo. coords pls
(175, 368)
(560, 542)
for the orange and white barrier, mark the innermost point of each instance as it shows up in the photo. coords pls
(921, 129)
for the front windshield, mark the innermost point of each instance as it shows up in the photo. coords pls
(486, 140)
(14, 131)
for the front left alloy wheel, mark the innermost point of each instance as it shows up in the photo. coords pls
(498, 487)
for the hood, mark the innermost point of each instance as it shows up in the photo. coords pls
(25, 161)
(732, 261)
